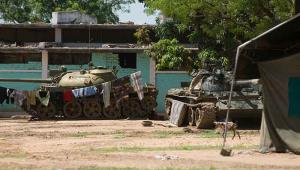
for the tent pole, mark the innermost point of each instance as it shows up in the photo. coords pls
(231, 89)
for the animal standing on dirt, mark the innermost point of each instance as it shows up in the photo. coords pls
(230, 126)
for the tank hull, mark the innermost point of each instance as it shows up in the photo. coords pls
(92, 107)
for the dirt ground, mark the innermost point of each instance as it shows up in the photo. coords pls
(126, 144)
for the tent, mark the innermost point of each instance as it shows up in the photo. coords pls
(274, 58)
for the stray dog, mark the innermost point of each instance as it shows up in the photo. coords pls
(230, 126)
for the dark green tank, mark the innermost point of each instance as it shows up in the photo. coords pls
(207, 97)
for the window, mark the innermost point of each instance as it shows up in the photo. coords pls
(127, 60)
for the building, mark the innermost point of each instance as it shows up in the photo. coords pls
(31, 50)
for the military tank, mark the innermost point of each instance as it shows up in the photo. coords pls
(90, 107)
(206, 98)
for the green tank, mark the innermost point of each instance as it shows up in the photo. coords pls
(87, 107)
(207, 95)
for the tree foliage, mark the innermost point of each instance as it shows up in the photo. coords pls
(169, 55)
(219, 26)
(143, 36)
(20, 11)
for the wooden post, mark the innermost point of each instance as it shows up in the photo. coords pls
(44, 64)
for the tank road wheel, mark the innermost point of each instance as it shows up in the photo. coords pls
(149, 104)
(46, 112)
(205, 116)
(72, 110)
(112, 112)
(92, 110)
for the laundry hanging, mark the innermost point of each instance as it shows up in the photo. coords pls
(6, 95)
(85, 91)
(106, 93)
(19, 97)
(44, 97)
(136, 81)
(68, 96)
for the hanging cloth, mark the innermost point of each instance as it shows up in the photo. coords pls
(31, 100)
(90, 91)
(20, 96)
(11, 96)
(78, 92)
(84, 92)
(3, 94)
(44, 97)
(136, 82)
(68, 96)
(106, 93)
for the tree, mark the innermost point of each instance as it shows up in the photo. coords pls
(20, 11)
(169, 55)
(219, 26)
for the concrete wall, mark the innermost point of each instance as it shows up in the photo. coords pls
(166, 80)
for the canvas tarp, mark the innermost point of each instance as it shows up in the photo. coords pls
(281, 118)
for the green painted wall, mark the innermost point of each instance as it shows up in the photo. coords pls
(166, 81)
(110, 60)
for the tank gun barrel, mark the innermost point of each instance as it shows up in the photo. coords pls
(26, 80)
(247, 82)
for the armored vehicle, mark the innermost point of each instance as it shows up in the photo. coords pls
(90, 107)
(207, 95)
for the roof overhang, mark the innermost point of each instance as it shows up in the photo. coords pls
(74, 26)
(67, 50)
(281, 41)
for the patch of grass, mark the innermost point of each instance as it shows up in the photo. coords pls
(168, 148)
(98, 168)
(119, 134)
(19, 155)
(80, 134)
(167, 134)
(209, 134)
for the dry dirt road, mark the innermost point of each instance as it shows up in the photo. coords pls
(125, 144)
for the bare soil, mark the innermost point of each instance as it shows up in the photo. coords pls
(126, 144)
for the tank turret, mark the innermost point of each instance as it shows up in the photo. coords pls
(76, 79)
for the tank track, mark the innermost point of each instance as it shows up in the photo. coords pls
(205, 116)
(92, 108)
(202, 117)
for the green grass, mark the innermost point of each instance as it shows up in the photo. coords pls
(168, 148)
(98, 168)
(19, 155)
(82, 134)
(209, 134)
(201, 134)
(167, 134)
(116, 134)
(119, 134)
